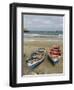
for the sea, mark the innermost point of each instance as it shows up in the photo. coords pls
(44, 32)
(41, 35)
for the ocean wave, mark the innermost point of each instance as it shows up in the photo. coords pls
(42, 36)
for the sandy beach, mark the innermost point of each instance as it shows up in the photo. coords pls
(45, 67)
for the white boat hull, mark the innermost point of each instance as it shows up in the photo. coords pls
(34, 64)
(54, 60)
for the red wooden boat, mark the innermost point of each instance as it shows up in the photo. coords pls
(54, 54)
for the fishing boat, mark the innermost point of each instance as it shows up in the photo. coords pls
(36, 58)
(54, 54)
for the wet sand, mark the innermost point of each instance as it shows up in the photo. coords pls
(46, 67)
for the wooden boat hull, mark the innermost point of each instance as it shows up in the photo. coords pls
(54, 54)
(35, 65)
(35, 58)
(54, 61)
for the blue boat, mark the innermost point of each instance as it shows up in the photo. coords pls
(36, 58)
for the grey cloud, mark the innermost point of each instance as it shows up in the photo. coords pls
(42, 23)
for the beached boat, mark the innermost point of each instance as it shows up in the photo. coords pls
(36, 58)
(54, 54)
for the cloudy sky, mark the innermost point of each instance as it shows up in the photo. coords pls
(42, 22)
